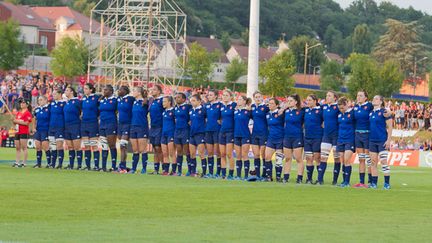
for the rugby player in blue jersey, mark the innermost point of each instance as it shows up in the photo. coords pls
(181, 133)
(274, 144)
(108, 128)
(72, 115)
(346, 138)
(167, 139)
(41, 126)
(139, 129)
(213, 112)
(259, 132)
(56, 129)
(313, 120)
(293, 136)
(155, 133)
(226, 133)
(197, 133)
(381, 128)
(124, 109)
(242, 135)
(90, 125)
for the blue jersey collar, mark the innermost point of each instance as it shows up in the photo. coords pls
(198, 107)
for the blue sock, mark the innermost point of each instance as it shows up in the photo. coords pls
(123, 165)
(348, 170)
(375, 180)
(344, 174)
(321, 171)
(179, 162)
(71, 158)
(336, 171)
(87, 158)
(104, 159)
(269, 169)
(96, 157)
(79, 154)
(286, 177)
(299, 178)
(204, 166)
(362, 178)
(223, 170)
(113, 152)
(278, 169)
(53, 158)
(144, 159)
(165, 167)
(174, 168)
(60, 154)
(369, 178)
(309, 169)
(239, 165)
(48, 156)
(257, 165)
(193, 166)
(231, 173)
(39, 157)
(156, 166)
(246, 168)
(264, 170)
(219, 166)
(189, 163)
(135, 158)
(211, 165)
(387, 179)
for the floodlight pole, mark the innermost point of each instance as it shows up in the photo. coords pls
(253, 58)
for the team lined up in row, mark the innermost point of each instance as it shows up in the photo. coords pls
(213, 130)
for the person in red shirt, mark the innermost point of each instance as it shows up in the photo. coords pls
(22, 121)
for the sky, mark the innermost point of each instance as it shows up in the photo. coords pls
(422, 5)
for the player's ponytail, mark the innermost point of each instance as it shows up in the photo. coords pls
(314, 98)
(296, 97)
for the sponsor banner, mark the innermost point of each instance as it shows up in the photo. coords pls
(403, 158)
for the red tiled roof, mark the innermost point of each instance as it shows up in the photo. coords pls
(26, 16)
(210, 44)
(264, 53)
(82, 22)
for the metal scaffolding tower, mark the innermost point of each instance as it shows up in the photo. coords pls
(130, 38)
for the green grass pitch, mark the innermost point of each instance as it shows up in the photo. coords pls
(41, 205)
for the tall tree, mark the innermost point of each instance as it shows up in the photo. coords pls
(84, 6)
(390, 78)
(235, 70)
(402, 43)
(331, 76)
(315, 55)
(12, 49)
(70, 57)
(361, 39)
(199, 65)
(277, 74)
(225, 41)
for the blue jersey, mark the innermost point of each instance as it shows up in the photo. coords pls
(90, 108)
(42, 115)
(168, 122)
(361, 115)
(72, 112)
(259, 113)
(313, 120)
(124, 108)
(227, 116)
(139, 113)
(378, 126)
(346, 122)
(241, 123)
(197, 119)
(275, 124)
(213, 111)
(107, 110)
(156, 109)
(330, 115)
(57, 114)
(294, 120)
(181, 113)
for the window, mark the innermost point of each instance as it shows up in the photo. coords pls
(219, 70)
(44, 41)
